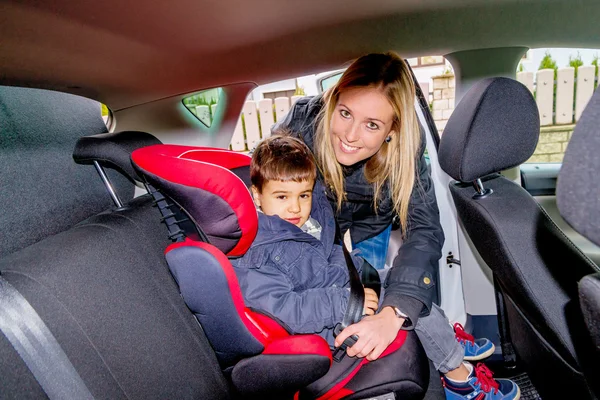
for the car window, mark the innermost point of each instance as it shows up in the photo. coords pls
(106, 115)
(329, 81)
(269, 103)
(204, 105)
(562, 82)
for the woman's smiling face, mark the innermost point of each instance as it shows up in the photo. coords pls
(362, 119)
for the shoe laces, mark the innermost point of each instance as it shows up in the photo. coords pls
(485, 378)
(461, 335)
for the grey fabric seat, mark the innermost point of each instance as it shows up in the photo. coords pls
(578, 198)
(95, 275)
(535, 266)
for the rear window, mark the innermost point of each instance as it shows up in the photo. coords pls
(204, 105)
(562, 82)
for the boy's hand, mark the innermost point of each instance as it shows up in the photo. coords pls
(371, 302)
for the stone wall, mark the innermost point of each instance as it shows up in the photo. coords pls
(443, 100)
(552, 143)
(553, 139)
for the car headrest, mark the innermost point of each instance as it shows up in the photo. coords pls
(208, 184)
(113, 150)
(494, 127)
(578, 187)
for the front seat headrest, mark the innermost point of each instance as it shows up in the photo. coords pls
(578, 187)
(495, 126)
(208, 185)
(113, 150)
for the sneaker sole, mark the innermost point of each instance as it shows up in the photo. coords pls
(482, 356)
(518, 395)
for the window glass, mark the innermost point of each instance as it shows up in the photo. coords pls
(281, 93)
(430, 60)
(562, 81)
(105, 114)
(204, 105)
(330, 81)
(269, 103)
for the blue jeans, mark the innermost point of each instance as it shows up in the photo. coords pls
(436, 335)
(434, 331)
(374, 249)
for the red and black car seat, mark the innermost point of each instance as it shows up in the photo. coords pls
(203, 196)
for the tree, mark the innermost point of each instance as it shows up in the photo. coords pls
(595, 63)
(520, 68)
(548, 63)
(575, 62)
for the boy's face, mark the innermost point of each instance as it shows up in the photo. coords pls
(290, 201)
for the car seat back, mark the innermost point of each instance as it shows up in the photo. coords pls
(105, 293)
(578, 200)
(496, 127)
(43, 191)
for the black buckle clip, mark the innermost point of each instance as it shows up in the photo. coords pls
(340, 352)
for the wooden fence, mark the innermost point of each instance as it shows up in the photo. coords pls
(256, 121)
(560, 102)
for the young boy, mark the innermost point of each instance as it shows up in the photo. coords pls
(295, 272)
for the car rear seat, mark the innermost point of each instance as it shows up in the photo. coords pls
(98, 281)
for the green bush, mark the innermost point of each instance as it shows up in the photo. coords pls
(595, 63)
(199, 100)
(575, 62)
(548, 63)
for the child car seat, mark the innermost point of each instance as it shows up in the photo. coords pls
(203, 197)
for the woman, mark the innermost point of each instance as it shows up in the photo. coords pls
(366, 139)
(369, 149)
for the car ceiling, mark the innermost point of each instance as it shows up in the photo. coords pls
(126, 53)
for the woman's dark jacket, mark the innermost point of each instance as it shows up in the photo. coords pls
(410, 285)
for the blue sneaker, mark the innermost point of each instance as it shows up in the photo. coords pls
(481, 386)
(475, 349)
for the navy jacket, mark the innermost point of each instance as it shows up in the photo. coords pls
(410, 284)
(294, 277)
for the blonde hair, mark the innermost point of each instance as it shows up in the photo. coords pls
(396, 161)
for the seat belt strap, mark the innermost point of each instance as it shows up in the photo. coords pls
(38, 348)
(354, 310)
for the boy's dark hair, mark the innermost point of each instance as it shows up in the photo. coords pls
(281, 158)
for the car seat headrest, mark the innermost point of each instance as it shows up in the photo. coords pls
(495, 126)
(208, 185)
(578, 187)
(113, 150)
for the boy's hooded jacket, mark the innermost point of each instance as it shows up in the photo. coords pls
(294, 277)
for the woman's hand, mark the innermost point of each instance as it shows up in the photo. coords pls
(371, 302)
(375, 333)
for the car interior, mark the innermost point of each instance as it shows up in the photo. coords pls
(115, 280)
